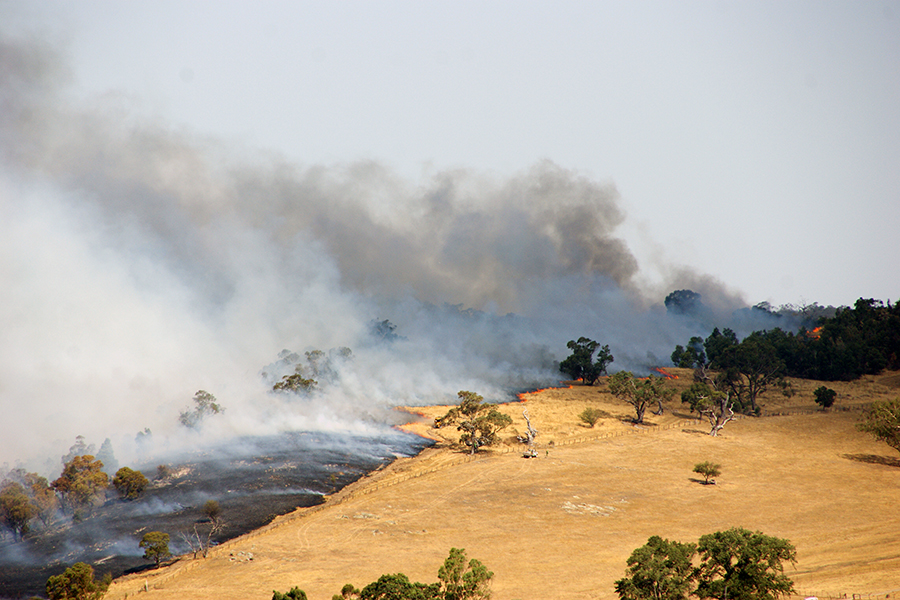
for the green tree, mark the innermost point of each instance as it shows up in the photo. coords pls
(295, 594)
(399, 587)
(659, 570)
(296, 383)
(825, 396)
(709, 470)
(129, 483)
(205, 404)
(77, 583)
(462, 582)
(43, 497)
(717, 344)
(751, 367)
(882, 420)
(156, 546)
(581, 363)
(16, 510)
(691, 356)
(639, 393)
(83, 484)
(742, 565)
(479, 423)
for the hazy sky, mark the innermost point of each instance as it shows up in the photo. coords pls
(757, 142)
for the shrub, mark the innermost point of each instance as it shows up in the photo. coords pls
(824, 396)
(590, 416)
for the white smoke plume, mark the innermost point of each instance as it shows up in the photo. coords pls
(140, 264)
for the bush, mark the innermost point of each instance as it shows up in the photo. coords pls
(590, 416)
(211, 510)
(824, 396)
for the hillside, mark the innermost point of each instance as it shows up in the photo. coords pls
(563, 524)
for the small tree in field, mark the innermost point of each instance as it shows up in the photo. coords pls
(825, 396)
(709, 471)
(883, 421)
(639, 393)
(480, 423)
(156, 546)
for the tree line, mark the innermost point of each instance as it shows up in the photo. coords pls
(861, 340)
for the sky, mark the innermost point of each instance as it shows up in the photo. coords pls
(189, 188)
(757, 142)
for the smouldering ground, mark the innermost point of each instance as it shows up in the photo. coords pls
(562, 525)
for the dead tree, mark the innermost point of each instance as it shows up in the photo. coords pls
(716, 406)
(201, 544)
(528, 438)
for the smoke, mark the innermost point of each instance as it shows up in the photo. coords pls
(141, 264)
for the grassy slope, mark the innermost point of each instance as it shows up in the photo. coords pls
(562, 525)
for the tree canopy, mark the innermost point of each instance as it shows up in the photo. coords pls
(458, 579)
(658, 570)
(736, 564)
(640, 393)
(882, 420)
(77, 583)
(743, 565)
(129, 483)
(16, 509)
(82, 484)
(479, 422)
(205, 404)
(156, 546)
(581, 364)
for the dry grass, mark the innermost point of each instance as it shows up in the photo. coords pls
(562, 525)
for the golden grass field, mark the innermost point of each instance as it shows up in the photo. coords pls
(562, 525)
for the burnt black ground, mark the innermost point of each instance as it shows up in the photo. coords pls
(252, 479)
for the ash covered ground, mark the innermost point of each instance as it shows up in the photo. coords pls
(252, 479)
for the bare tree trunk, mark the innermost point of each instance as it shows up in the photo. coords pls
(528, 440)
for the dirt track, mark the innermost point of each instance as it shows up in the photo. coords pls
(562, 525)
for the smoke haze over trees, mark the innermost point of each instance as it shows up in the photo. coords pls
(142, 263)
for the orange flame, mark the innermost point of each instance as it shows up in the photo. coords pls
(665, 373)
(815, 333)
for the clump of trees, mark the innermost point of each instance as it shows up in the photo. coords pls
(882, 420)
(317, 367)
(736, 564)
(582, 364)
(855, 341)
(479, 422)
(205, 404)
(458, 579)
(16, 509)
(640, 393)
(77, 583)
(82, 485)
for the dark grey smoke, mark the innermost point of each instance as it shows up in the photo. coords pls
(142, 264)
